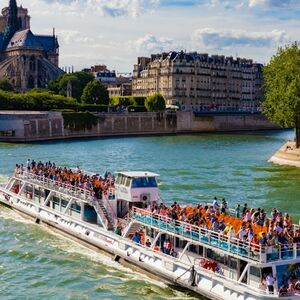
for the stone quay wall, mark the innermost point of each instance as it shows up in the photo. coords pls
(21, 126)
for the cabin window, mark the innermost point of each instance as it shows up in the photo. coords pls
(128, 181)
(255, 272)
(76, 207)
(232, 263)
(55, 201)
(64, 203)
(144, 182)
(123, 180)
(118, 181)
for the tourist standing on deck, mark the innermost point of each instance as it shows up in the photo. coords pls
(215, 203)
(238, 211)
(270, 281)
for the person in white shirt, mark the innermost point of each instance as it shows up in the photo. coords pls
(270, 281)
(231, 234)
(243, 233)
(215, 203)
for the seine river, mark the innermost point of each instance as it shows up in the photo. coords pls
(37, 264)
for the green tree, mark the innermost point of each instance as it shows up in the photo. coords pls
(95, 93)
(5, 85)
(282, 88)
(78, 82)
(155, 103)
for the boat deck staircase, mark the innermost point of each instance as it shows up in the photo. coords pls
(132, 228)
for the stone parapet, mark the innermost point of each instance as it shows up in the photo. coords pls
(18, 126)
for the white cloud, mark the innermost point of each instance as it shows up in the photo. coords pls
(222, 39)
(267, 4)
(112, 8)
(274, 3)
(68, 37)
(150, 44)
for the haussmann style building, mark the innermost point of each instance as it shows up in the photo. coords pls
(200, 82)
(26, 60)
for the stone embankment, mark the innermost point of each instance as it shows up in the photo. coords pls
(18, 126)
(287, 155)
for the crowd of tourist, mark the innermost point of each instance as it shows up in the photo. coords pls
(73, 177)
(249, 225)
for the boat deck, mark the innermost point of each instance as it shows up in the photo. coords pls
(215, 240)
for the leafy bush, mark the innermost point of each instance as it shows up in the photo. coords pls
(127, 101)
(155, 103)
(43, 101)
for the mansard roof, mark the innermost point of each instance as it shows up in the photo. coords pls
(204, 57)
(25, 38)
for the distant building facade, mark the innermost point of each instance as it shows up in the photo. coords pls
(117, 85)
(26, 60)
(102, 74)
(200, 82)
(122, 87)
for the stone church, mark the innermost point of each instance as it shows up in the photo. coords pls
(26, 60)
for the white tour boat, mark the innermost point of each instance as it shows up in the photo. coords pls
(201, 260)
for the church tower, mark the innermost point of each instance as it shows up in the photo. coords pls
(12, 24)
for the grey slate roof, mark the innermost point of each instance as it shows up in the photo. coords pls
(25, 38)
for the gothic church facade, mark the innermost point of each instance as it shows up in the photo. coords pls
(26, 60)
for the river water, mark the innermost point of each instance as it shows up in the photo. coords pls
(37, 264)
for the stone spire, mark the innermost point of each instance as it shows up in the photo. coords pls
(12, 24)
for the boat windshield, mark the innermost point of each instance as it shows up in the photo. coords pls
(144, 182)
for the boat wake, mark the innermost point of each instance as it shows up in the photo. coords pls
(72, 247)
(3, 178)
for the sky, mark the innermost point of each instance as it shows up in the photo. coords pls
(116, 32)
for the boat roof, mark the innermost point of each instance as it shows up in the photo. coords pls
(135, 174)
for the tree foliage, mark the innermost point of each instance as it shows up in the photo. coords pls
(282, 86)
(155, 103)
(78, 82)
(95, 93)
(5, 85)
(127, 101)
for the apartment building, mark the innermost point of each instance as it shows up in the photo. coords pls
(200, 82)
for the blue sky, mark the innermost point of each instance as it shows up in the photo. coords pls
(115, 32)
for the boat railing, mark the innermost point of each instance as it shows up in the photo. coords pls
(56, 185)
(217, 240)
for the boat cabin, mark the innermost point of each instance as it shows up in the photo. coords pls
(137, 189)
